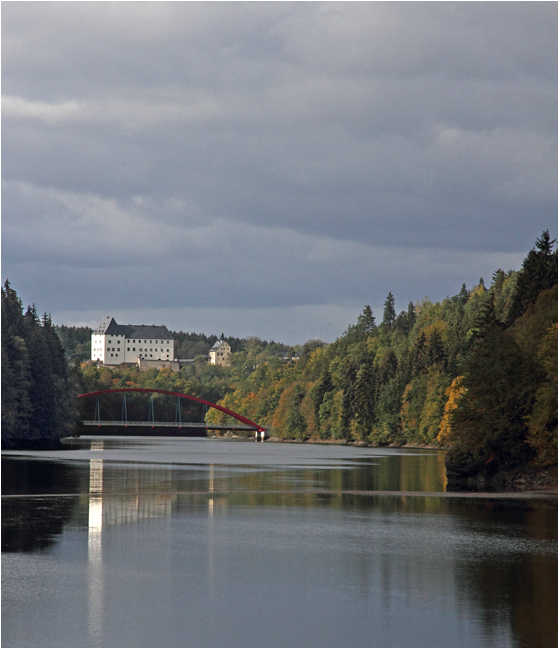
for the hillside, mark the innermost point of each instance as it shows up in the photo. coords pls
(476, 372)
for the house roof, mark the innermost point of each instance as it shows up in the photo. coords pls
(218, 345)
(109, 326)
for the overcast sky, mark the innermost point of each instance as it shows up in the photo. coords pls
(269, 168)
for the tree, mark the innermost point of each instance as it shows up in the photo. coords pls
(364, 399)
(487, 426)
(389, 313)
(37, 401)
(366, 321)
(463, 294)
(538, 273)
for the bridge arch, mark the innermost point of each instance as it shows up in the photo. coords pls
(241, 418)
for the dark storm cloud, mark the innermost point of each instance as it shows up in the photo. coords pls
(239, 155)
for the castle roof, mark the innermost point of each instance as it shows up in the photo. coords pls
(110, 327)
(218, 345)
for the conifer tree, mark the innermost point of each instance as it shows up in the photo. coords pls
(37, 403)
(463, 294)
(389, 313)
(366, 321)
(539, 272)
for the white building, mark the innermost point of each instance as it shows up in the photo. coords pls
(112, 344)
(219, 353)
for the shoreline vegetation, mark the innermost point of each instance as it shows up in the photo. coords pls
(475, 374)
(524, 480)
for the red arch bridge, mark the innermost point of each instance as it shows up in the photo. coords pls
(237, 423)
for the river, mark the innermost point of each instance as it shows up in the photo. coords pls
(167, 542)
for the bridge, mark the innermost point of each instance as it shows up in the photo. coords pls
(242, 424)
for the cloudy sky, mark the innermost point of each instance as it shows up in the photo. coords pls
(269, 168)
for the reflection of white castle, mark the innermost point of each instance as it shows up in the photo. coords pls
(112, 344)
(127, 507)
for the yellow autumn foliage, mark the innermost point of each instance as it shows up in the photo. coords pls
(452, 393)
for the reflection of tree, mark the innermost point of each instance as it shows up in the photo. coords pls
(31, 523)
(517, 593)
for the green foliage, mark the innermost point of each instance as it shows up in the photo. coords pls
(538, 273)
(389, 314)
(476, 372)
(458, 373)
(76, 342)
(488, 427)
(37, 394)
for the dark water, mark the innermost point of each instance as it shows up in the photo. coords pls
(213, 543)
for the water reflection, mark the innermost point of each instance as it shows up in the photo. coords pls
(201, 554)
(30, 520)
(95, 551)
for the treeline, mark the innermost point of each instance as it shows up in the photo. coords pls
(188, 345)
(477, 371)
(199, 379)
(37, 396)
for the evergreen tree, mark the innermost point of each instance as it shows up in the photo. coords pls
(364, 399)
(411, 314)
(488, 425)
(539, 272)
(324, 387)
(37, 402)
(435, 349)
(463, 294)
(16, 378)
(389, 313)
(366, 321)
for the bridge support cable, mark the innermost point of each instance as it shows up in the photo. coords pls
(236, 416)
(178, 413)
(97, 417)
(124, 416)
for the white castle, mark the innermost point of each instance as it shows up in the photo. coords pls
(112, 344)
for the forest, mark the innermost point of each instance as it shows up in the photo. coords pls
(38, 396)
(475, 373)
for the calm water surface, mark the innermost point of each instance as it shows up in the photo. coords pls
(143, 542)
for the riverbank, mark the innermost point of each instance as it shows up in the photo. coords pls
(358, 443)
(522, 480)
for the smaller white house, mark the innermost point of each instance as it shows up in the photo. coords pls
(112, 344)
(219, 353)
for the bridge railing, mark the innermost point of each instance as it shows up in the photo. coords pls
(175, 425)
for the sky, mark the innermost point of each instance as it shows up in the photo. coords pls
(269, 168)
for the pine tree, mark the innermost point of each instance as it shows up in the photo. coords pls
(463, 296)
(16, 378)
(37, 402)
(539, 272)
(436, 350)
(364, 398)
(411, 313)
(389, 313)
(488, 427)
(366, 321)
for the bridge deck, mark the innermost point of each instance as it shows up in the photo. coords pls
(175, 425)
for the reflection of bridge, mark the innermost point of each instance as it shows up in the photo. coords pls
(243, 424)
